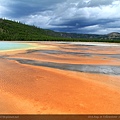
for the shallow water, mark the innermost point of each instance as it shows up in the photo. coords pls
(103, 69)
(13, 46)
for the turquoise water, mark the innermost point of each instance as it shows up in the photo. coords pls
(13, 45)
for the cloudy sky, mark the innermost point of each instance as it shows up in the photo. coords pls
(78, 16)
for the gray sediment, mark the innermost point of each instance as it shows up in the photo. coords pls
(100, 69)
(73, 53)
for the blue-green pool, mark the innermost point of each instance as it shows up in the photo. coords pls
(13, 46)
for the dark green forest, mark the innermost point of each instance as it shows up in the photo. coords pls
(16, 31)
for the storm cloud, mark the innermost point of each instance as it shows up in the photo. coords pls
(78, 16)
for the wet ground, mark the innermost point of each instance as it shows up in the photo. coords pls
(60, 77)
(75, 52)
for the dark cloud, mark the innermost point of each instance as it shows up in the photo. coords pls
(95, 3)
(22, 8)
(85, 16)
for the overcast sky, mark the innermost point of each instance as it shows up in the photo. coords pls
(78, 16)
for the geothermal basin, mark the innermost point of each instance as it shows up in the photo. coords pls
(60, 78)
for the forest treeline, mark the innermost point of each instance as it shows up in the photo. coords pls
(16, 31)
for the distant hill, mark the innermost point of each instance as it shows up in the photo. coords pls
(114, 35)
(16, 31)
